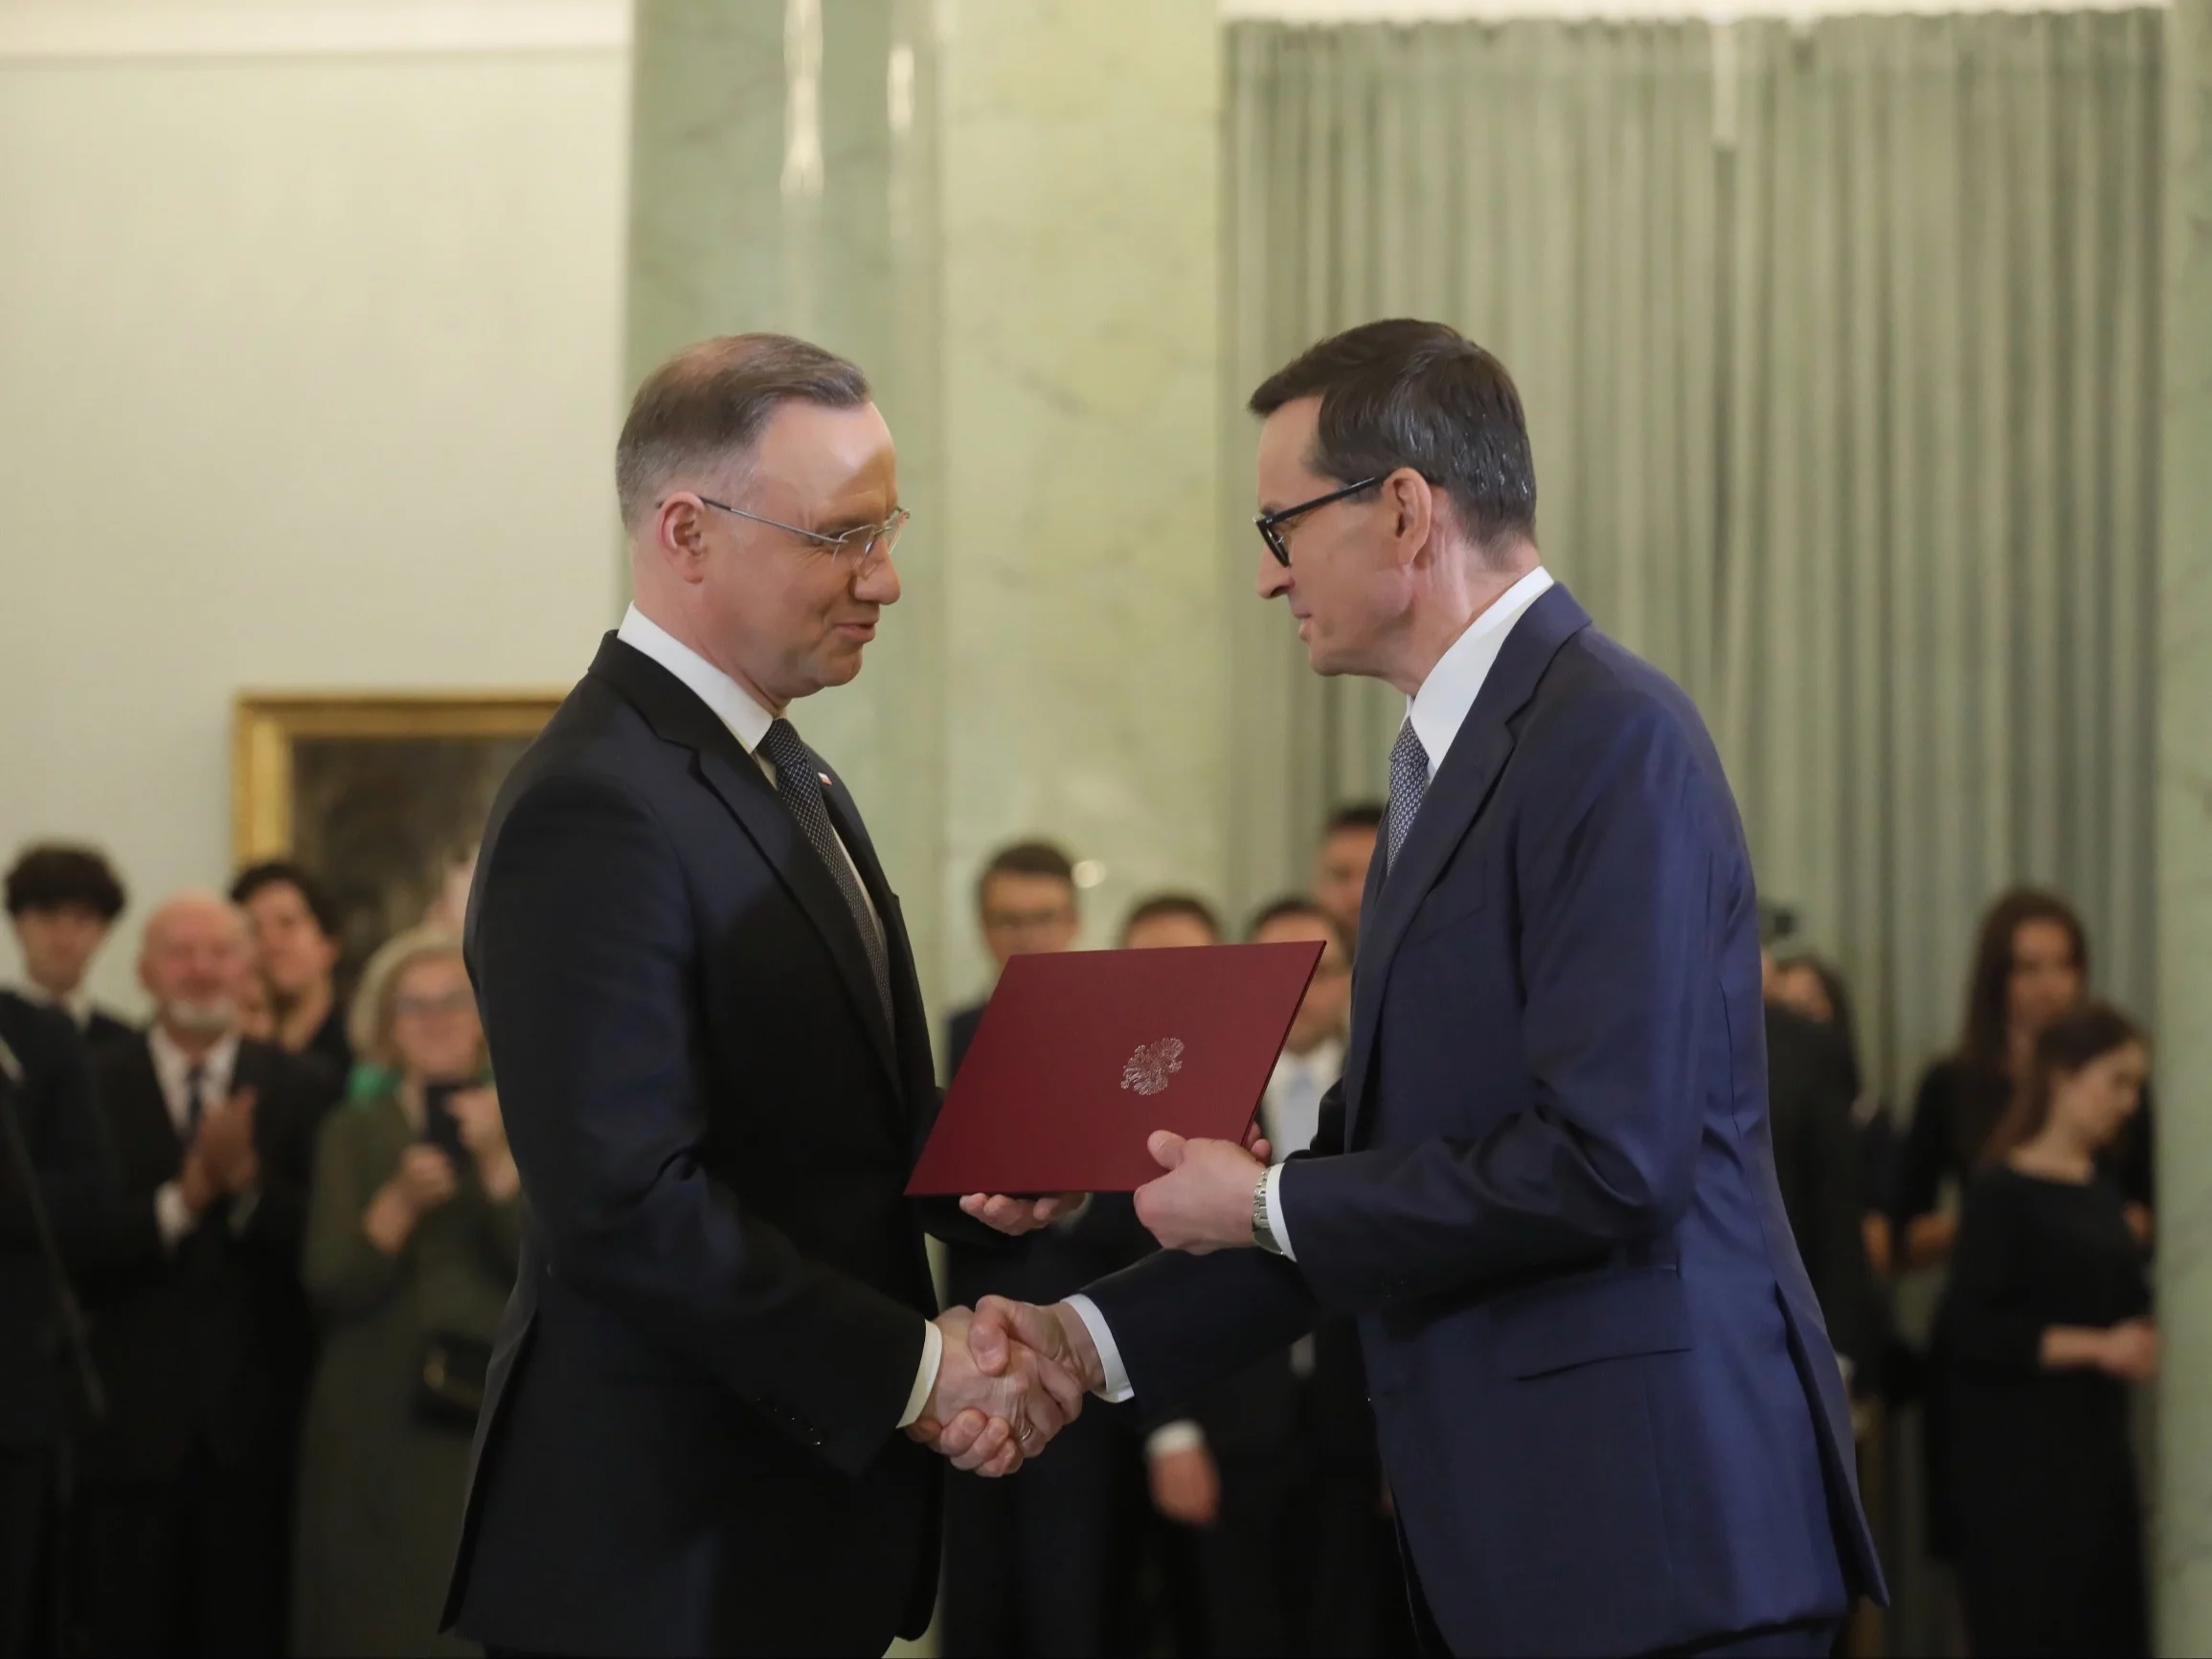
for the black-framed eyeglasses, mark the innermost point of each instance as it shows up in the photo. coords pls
(865, 543)
(1269, 525)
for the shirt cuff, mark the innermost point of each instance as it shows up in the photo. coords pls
(1276, 1225)
(925, 1376)
(1116, 1387)
(1170, 1438)
(171, 1215)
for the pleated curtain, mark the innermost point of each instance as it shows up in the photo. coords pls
(1839, 345)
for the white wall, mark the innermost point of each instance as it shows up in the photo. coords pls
(309, 377)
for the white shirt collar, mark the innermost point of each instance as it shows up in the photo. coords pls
(1439, 708)
(78, 1004)
(1324, 1059)
(733, 705)
(173, 1068)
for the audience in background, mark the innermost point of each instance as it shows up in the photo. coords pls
(2031, 964)
(296, 937)
(1025, 902)
(62, 901)
(1280, 1463)
(413, 1238)
(200, 1329)
(1340, 863)
(1044, 1561)
(46, 1082)
(2050, 1326)
(1809, 1098)
(1169, 921)
(1816, 989)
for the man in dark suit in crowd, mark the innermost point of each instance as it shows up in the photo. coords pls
(1278, 1461)
(1025, 902)
(62, 902)
(1041, 1562)
(201, 1333)
(295, 933)
(714, 1070)
(1809, 1098)
(46, 1089)
(1609, 1410)
(1340, 863)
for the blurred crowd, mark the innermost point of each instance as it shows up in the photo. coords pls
(252, 1255)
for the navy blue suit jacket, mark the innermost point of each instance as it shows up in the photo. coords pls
(1608, 1406)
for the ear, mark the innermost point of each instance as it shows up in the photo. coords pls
(680, 535)
(1412, 501)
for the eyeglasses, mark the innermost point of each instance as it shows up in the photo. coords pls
(866, 544)
(1269, 525)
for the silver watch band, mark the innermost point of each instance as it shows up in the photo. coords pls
(1262, 1234)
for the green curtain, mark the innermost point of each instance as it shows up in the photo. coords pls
(1839, 345)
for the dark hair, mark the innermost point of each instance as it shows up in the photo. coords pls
(2074, 1040)
(1359, 815)
(708, 404)
(1157, 905)
(1988, 1006)
(1304, 910)
(1418, 394)
(1842, 1023)
(283, 872)
(1026, 859)
(54, 875)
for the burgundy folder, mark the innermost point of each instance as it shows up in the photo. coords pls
(1081, 1056)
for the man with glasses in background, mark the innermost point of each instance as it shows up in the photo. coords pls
(1025, 904)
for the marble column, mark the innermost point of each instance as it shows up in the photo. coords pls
(2185, 1029)
(1004, 211)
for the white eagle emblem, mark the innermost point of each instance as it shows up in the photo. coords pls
(1152, 1064)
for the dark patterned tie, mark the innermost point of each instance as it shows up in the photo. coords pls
(799, 781)
(195, 1099)
(1409, 783)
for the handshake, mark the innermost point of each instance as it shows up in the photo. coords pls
(1012, 1376)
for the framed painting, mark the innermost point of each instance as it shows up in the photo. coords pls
(383, 794)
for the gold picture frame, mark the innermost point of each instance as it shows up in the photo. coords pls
(378, 792)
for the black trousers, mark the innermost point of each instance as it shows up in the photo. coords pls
(197, 1565)
(1040, 1563)
(1301, 1562)
(30, 1517)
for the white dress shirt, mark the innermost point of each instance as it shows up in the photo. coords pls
(1437, 711)
(739, 709)
(172, 1069)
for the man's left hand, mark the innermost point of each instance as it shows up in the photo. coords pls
(1015, 1217)
(1204, 1201)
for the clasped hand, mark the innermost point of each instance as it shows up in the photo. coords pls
(997, 1403)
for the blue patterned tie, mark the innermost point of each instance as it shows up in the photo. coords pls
(1409, 783)
(799, 781)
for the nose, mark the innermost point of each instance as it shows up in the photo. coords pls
(1274, 577)
(877, 583)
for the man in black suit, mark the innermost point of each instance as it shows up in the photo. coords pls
(1809, 1101)
(46, 1086)
(200, 1329)
(1025, 902)
(62, 902)
(714, 1068)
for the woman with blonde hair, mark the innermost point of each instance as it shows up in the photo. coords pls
(413, 1235)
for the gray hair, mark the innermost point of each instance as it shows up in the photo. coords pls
(708, 404)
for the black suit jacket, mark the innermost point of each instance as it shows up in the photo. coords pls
(69, 1160)
(1808, 1099)
(105, 1030)
(689, 1439)
(204, 1348)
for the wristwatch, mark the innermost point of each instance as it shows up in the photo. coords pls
(1262, 1234)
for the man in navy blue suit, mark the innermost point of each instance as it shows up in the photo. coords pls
(1608, 1411)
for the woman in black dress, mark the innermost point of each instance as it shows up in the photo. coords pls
(2031, 966)
(2049, 1326)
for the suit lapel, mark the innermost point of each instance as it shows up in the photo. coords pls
(911, 1020)
(720, 762)
(1456, 796)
